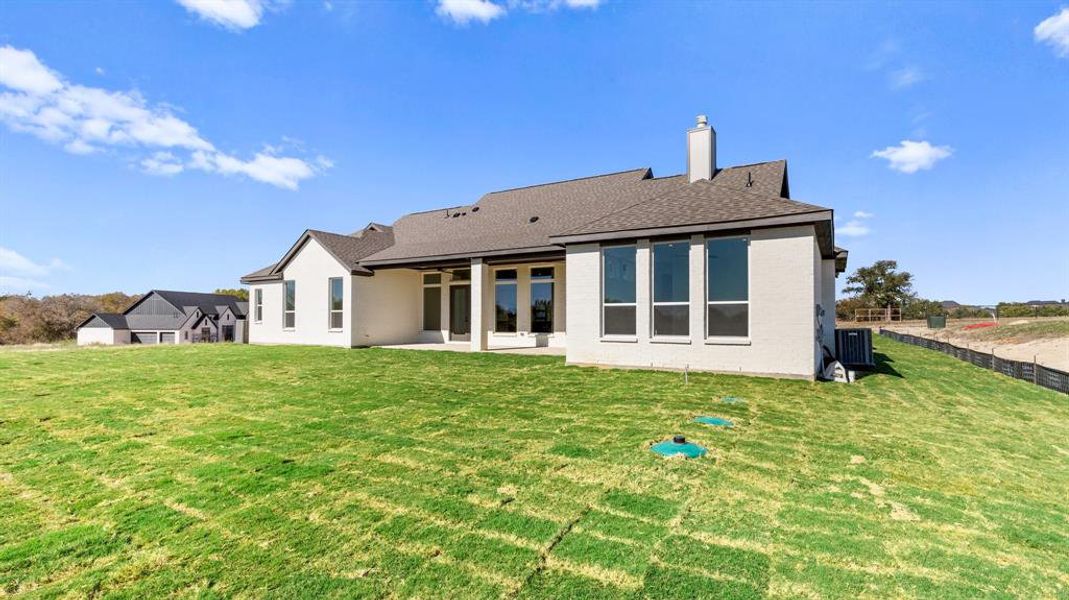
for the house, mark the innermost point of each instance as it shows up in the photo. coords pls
(166, 317)
(715, 269)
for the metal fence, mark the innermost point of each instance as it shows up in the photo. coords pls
(1029, 371)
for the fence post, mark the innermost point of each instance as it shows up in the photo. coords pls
(1035, 371)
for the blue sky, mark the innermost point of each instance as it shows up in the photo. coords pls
(179, 145)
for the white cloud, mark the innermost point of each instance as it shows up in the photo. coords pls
(464, 11)
(910, 156)
(23, 72)
(162, 163)
(905, 77)
(277, 170)
(231, 14)
(1054, 31)
(85, 120)
(13, 263)
(853, 228)
(862, 215)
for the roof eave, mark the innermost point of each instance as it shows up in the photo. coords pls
(386, 262)
(260, 278)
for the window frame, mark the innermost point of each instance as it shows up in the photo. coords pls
(653, 291)
(285, 284)
(330, 304)
(749, 315)
(515, 283)
(258, 305)
(424, 286)
(601, 292)
(531, 283)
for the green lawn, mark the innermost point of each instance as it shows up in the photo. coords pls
(227, 470)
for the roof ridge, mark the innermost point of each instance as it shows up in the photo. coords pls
(524, 187)
(763, 162)
(430, 210)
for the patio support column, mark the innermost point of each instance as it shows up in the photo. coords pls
(480, 286)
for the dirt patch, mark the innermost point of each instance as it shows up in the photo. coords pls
(1042, 341)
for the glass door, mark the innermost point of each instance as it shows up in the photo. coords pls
(460, 310)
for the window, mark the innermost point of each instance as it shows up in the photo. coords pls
(462, 275)
(505, 301)
(727, 285)
(618, 290)
(289, 304)
(337, 301)
(432, 302)
(671, 288)
(542, 300)
(258, 304)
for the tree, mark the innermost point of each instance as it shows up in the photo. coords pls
(240, 294)
(881, 285)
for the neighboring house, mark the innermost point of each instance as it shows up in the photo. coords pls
(165, 317)
(715, 269)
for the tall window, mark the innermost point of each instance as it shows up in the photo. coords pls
(289, 304)
(671, 288)
(727, 282)
(258, 304)
(618, 290)
(432, 302)
(505, 300)
(542, 300)
(337, 301)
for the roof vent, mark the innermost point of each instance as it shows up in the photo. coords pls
(475, 209)
(533, 219)
(749, 178)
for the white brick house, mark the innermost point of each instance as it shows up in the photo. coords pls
(716, 269)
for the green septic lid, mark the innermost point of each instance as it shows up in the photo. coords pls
(732, 400)
(715, 421)
(678, 446)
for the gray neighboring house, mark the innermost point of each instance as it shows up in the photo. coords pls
(169, 317)
(714, 269)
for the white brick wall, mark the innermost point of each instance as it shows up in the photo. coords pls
(310, 268)
(783, 294)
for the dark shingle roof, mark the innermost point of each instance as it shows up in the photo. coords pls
(699, 203)
(113, 320)
(209, 304)
(350, 249)
(347, 249)
(503, 220)
(264, 274)
(528, 219)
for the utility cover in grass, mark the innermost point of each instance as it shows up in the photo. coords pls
(714, 421)
(732, 400)
(678, 446)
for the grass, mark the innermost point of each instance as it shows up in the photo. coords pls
(226, 470)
